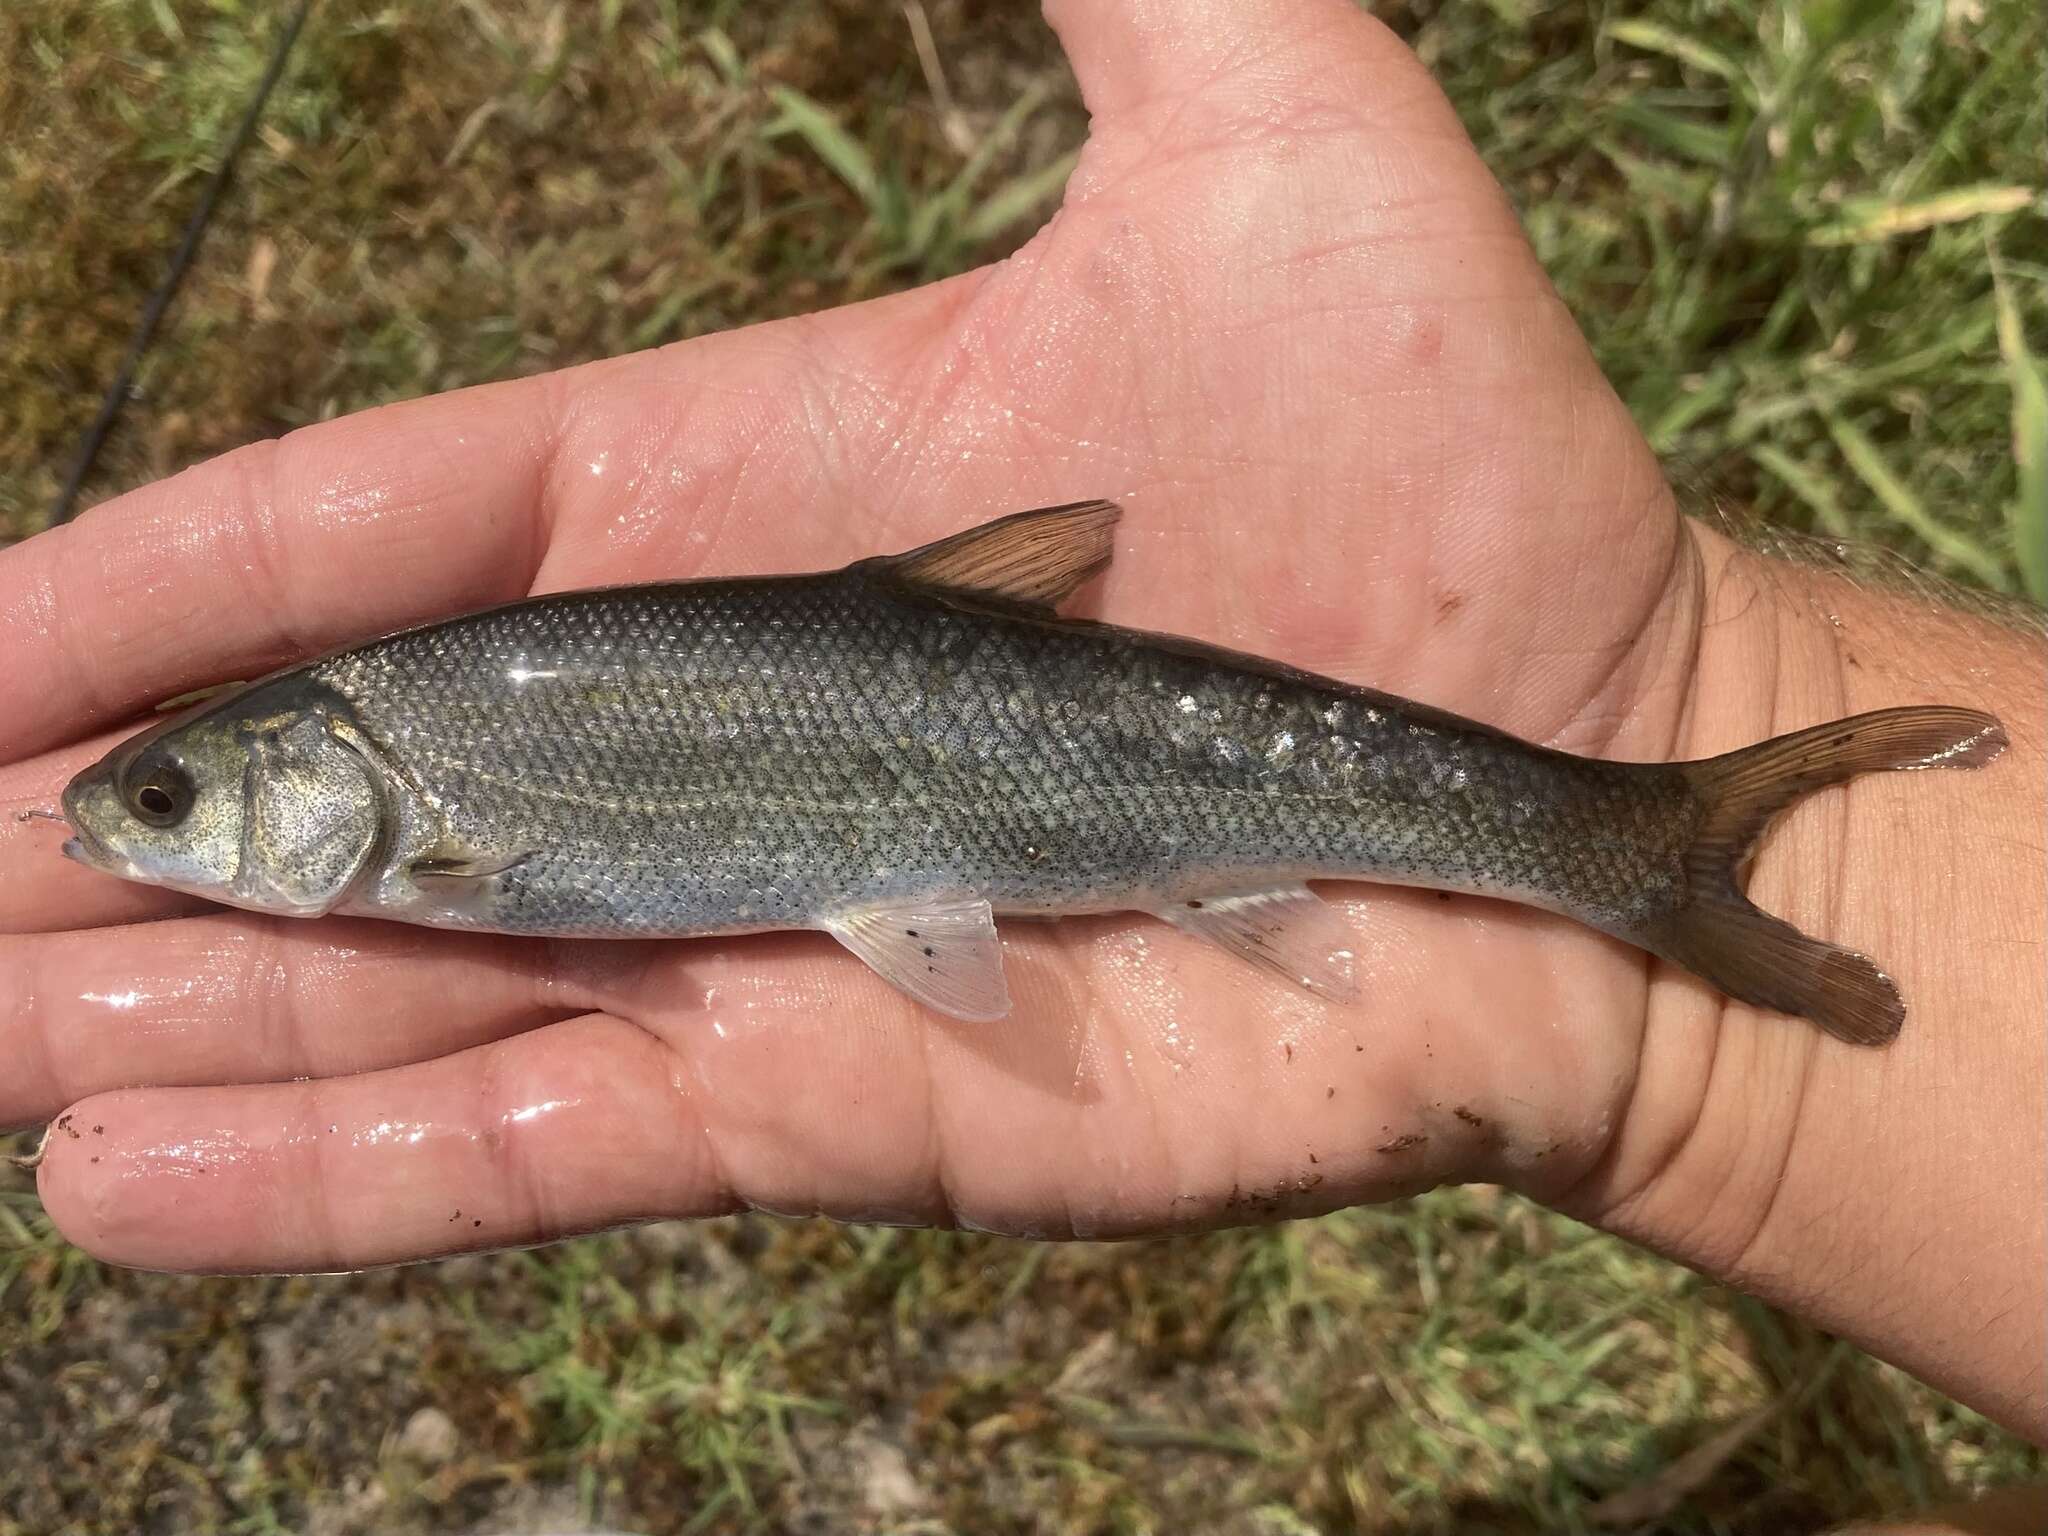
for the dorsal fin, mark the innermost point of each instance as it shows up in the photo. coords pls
(196, 696)
(1033, 559)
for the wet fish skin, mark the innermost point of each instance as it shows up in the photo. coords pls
(900, 741)
(723, 755)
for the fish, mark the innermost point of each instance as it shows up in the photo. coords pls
(902, 750)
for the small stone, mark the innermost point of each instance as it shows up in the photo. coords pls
(887, 1486)
(429, 1436)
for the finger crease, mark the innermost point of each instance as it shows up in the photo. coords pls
(512, 1169)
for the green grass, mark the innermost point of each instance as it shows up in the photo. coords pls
(1456, 1363)
(450, 194)
(1782, 229)
(1806, 246)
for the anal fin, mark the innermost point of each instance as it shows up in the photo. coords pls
(941, 951)
(1285, 929)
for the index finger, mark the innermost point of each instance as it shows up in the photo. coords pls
(282, 548)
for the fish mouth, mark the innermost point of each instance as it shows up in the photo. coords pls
(84, 846)
(88, 850)
(78, 845)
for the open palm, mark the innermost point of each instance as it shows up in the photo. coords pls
(1286, 318)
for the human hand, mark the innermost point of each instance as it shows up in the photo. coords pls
(1288, 320)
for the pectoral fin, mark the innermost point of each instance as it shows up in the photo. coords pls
(467, 866)
(941, 951)
(456, 879)
(1288, 930)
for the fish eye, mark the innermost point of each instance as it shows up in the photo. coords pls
(160, 793)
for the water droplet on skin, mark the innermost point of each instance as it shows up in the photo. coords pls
(188, 1157)
(1173, 1044)
(1150, 989)
(408, 1133)
(1086, 1045)
(154, 1007)
(530, 1112)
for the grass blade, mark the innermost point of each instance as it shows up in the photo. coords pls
(1653, 37)
(1957, 549)
(1016, 198)
(1917, 38)
(2029, 510)
(1656, 180)
(830, 142)
(724, 57)
(1886, 221)
(995, 141)
(1704, 143)
(1809, 487)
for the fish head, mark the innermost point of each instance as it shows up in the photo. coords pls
(268, 798)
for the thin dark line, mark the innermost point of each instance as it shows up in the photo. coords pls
(181, 260)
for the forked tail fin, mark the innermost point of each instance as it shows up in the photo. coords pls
(1754, 957)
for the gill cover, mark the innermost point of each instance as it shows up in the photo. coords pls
(313, 814)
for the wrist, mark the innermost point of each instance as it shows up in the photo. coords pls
(1896, 1196)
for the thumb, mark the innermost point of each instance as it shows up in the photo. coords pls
(1266, 61)
(1269, 76)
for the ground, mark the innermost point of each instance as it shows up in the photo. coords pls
(1808, 246)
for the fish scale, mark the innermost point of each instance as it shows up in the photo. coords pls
(901, 750)
(948, 742)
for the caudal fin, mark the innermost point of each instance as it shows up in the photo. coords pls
(1754, 957)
